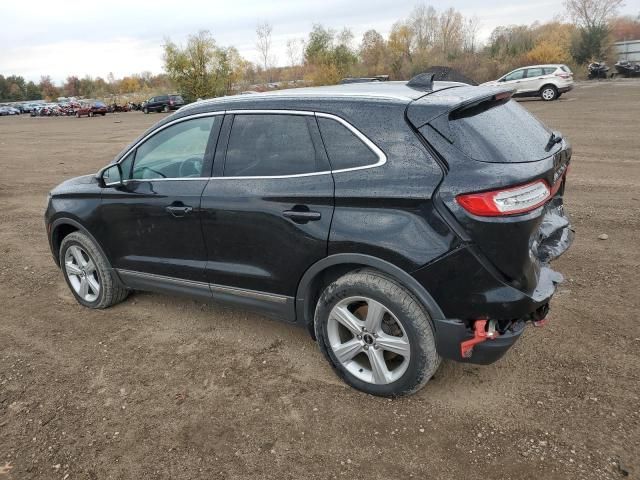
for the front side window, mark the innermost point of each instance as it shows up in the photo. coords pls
(270, 145)
(176, 152)
(517, 75)
(344, 148)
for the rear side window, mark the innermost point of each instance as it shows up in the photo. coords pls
(549, 70)
(500, 132)
(176, 98)
(344, 148)
(270, 145)
(534, 72)
(565, 68)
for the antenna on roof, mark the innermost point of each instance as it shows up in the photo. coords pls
(423, 81)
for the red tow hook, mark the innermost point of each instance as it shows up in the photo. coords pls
(479, 335)
(542, 322)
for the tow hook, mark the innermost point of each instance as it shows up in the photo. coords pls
(542, 322)
(479, 335)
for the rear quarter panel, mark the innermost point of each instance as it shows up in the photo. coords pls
(386, 211)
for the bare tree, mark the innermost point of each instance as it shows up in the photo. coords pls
(294, 51)
(424, 23)
(263, 31)
(470, 31)
(592, 14)
(451, 31)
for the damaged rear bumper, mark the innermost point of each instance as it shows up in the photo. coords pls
(468, 288)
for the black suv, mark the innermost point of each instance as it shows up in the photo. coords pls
(163, 103)
(398, 222)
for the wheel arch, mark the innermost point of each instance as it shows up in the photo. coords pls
(548, 85)
(332, 267)
(62, 227)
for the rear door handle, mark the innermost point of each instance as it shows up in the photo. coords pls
(302, 216)
(179, 211)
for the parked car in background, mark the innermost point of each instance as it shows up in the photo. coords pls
(399, 222)
(91, 109)
(4, 111)
(545, 81)
(163, 103)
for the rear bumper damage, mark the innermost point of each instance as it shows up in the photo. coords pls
(486, 314)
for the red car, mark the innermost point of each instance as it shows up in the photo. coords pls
(92, 109)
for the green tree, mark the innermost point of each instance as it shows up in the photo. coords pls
(200, 69)
(32, 92)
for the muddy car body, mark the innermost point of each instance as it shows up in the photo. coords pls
(436, 205)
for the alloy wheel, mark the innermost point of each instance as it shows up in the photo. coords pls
(82, 273)
(548, 94)
(368, 340)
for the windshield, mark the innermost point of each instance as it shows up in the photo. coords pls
(500, 132)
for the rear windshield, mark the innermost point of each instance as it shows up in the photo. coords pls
(176, 98)
(500, 132)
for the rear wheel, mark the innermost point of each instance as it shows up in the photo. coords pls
(548, 93)
(87, 273)
(166, 109)
(375, 334)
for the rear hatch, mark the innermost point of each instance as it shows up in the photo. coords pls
(504, 180)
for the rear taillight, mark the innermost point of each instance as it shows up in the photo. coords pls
(170, 102)
(563, 75)
(507, 201)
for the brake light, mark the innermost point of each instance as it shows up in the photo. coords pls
(563, 75)
(508, 201)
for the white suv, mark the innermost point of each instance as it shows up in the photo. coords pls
(545, 81)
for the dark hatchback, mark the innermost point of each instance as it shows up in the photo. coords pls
(398, 222)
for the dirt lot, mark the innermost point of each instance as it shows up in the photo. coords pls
(162, 387)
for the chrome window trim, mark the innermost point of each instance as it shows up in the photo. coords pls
(166, 125)
(382, 158)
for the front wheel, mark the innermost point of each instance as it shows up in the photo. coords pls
(376, 335)
(145, 110)
(549, 93)
(87, 273)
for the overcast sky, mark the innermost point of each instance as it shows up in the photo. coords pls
(125, 36)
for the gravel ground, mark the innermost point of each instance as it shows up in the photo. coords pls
(161, 387)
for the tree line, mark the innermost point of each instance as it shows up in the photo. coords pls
(202, 68)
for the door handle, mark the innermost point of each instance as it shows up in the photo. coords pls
(302, 216)
(179, 211)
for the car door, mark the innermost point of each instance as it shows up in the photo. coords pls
(514, 80)
(151, 224)
(268, 208)
(534, 79)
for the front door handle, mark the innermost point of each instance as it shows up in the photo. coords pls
(179, 211)
(302, 216)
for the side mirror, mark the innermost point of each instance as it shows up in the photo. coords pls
(110, 176)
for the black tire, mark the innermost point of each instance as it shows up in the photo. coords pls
(165, 109)
(111, 292)
(548, 93)
(423, 359)
(145, 110)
